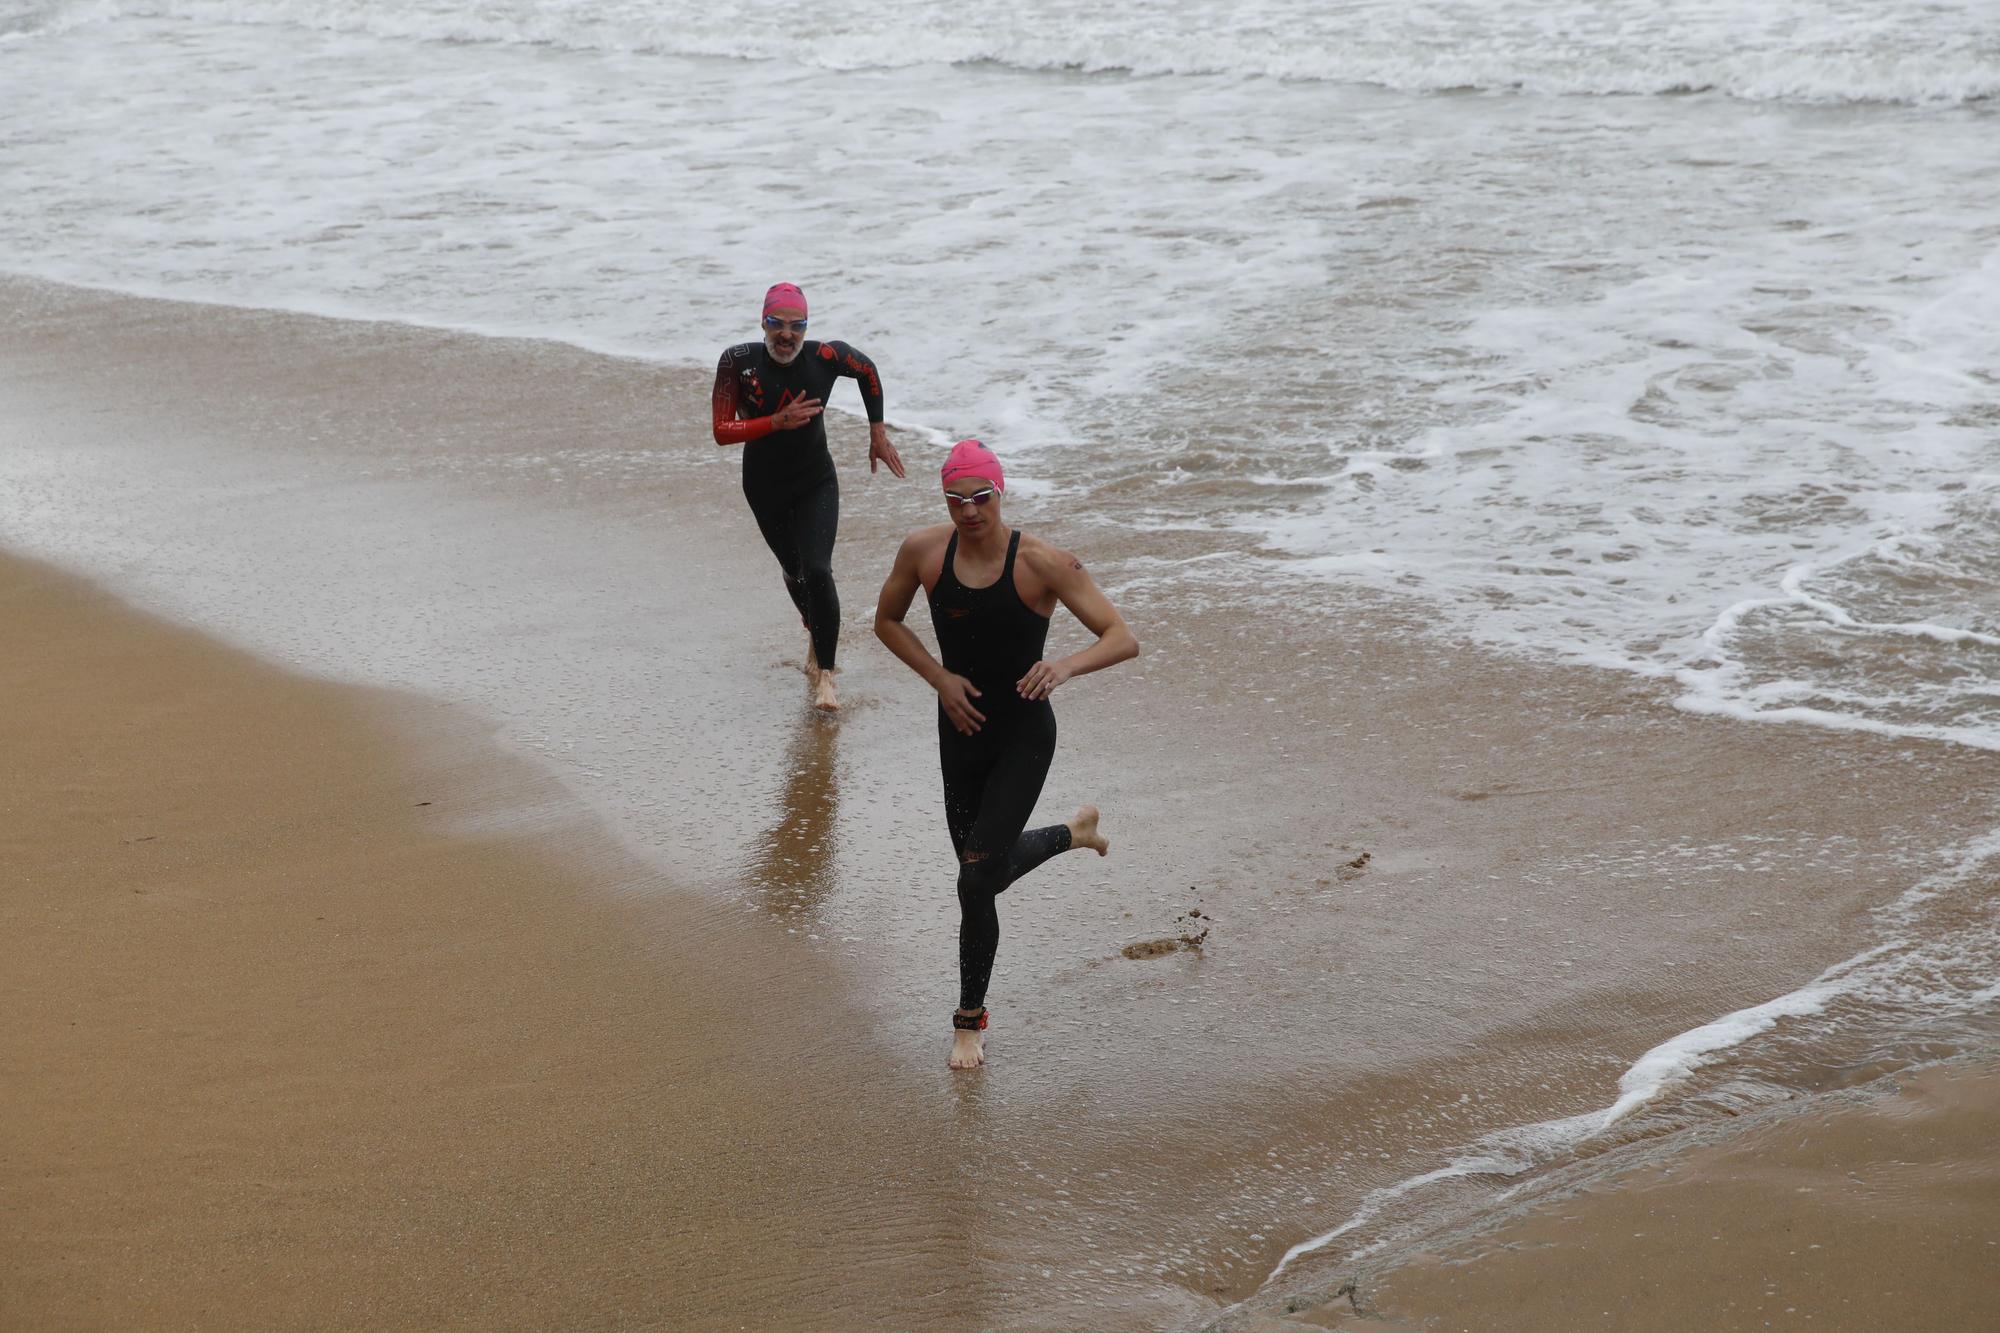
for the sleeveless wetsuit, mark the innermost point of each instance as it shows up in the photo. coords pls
(992, 777)
(788, 475)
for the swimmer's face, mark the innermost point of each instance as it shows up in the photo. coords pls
(784, 333)
(974, 503)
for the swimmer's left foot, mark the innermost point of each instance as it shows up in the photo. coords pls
(824, 696)
(1083, 831)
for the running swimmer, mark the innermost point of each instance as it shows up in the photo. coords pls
(768, 398)
(992, 591)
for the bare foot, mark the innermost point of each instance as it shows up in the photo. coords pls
(1083, 831)
(968, 1050)
(823, 695)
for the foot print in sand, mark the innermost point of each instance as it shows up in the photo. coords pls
(1191, 926)
(1347, 871)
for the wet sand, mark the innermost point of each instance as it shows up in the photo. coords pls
(686, 1064)
(283, 1051)
(1879, 1210)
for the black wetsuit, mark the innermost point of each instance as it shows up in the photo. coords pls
(788, 475)
(992, 777)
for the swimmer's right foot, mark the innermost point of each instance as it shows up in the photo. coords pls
(1083, 831)
(968, 1039)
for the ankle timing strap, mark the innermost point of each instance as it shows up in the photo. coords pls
(974, 1023)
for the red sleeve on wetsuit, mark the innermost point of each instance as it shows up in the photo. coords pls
(728, 430)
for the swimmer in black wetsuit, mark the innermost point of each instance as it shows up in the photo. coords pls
(768, 398)
(992, 591)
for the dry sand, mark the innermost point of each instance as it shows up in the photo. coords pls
(316, 1053)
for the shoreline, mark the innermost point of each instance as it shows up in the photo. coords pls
(1499, 958)
(1878, 1206)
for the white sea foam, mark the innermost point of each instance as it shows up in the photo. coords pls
(1376, 1201)
(1725, 681)
(1807, 50)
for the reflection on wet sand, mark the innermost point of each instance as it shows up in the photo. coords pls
(792, 866)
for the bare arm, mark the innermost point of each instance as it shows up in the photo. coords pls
(1075, 589)
(893, 603)
(955, 693)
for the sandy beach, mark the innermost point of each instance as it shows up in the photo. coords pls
(404, 1007)
(283, 1052)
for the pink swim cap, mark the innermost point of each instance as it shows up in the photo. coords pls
(970, 458)
(784, 296)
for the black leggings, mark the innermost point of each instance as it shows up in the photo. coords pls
(991, 781)
(799, 530)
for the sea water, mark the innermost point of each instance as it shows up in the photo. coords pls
(1651, 336)
(1657, 337)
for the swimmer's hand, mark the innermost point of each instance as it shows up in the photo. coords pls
(1042, 679)
(795, 414)
(952, 691)
(880, 450)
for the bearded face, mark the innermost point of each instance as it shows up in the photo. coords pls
(784, 334)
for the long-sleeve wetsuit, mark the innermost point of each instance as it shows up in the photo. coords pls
(788, 475)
